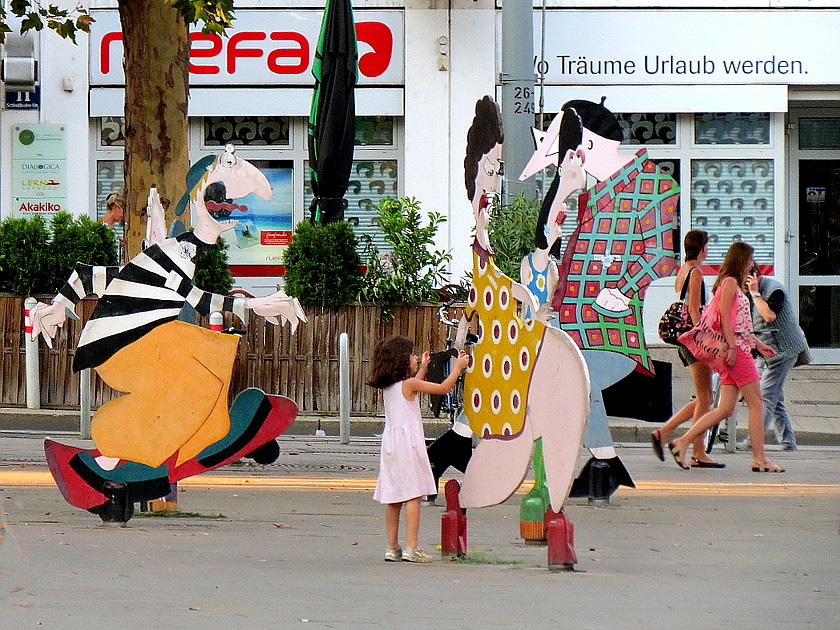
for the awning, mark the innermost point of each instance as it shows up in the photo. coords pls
(674, 99)
(249, 101)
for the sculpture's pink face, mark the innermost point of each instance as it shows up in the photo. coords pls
(490, 170)
(240, 179)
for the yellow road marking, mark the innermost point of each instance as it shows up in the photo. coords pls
(327, 484)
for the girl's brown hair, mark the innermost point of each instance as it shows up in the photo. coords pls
(736, 264)
(693, 243)
(391, 362)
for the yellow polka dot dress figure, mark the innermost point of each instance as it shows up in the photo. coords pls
(527, 381)
(497, 382)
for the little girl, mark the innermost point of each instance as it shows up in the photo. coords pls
(405, 474)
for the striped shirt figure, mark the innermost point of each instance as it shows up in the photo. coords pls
(149, 291)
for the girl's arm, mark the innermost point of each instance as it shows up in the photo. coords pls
(417, 384)
(425, 359)
(727, 289)
(695, 289)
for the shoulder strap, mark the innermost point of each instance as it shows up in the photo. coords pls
(685, 288)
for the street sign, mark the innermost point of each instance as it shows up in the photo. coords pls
(23, 100)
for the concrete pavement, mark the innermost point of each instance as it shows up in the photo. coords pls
(301, 542)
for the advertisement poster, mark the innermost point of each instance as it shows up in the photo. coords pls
(264, 228)
(39, 170)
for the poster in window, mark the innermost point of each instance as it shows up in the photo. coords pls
(264, 228)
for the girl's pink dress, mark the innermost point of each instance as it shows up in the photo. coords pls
(404, 469)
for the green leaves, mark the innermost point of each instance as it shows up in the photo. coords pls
(512, 230)
(216, 16)
(34, 17)
(322, 264)
(413, 270)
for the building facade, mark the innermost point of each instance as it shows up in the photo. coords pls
(740, 101)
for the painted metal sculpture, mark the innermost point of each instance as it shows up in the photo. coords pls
(157, 434)
(621, 242)
(518, 366)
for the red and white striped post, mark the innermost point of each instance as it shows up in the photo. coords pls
(217, 321)
(33, 378)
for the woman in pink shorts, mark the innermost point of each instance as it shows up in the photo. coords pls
(739, 373)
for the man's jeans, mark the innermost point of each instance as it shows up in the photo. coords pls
(775, 414)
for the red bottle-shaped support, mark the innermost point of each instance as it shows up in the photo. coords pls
(453, 522)
(560, 533)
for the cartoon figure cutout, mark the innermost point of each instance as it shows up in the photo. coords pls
(156, 435)
(518, 366)
(622, 242)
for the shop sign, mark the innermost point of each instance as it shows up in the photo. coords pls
(688, 47)
(39, 169)
(263, 48)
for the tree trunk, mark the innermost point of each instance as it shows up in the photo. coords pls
(157, 48)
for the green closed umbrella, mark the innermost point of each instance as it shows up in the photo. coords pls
(332, 119)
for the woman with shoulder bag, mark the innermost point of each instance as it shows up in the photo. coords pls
(695, 249)
(737, 366)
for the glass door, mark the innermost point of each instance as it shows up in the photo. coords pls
(815, 228)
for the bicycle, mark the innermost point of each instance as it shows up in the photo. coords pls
(454, 447)
(452, 402)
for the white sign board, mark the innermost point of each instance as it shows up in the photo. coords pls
(682, 47)
(271, 47)
(39, 170)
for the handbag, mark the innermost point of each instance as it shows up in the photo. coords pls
(677, 320)
(706, 341)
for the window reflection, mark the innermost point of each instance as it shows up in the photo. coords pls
(819, 315)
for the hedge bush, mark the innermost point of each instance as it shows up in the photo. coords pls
(38, 258)
(322, 264)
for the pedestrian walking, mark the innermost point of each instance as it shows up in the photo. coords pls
(775, 324)
(738, 372)
(695, 249)
(405, 475)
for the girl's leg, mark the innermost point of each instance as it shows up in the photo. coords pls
(752, 395)
(728, 398)
(392, 524)
(701, 374)
(412, 522)
(683, 415)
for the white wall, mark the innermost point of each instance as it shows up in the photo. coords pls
(58, 59)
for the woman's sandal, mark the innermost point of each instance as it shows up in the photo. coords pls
(766, 467)
(656, 443)
(675, 452)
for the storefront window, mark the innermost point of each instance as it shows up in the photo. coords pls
(112, 131)
(246, 131)
(110, 180)
(819, 133)
(733, 201)
(370, 181)
(374, 131)
(648, 128)
(751, 128)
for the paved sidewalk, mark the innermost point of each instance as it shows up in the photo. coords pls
(300, 545)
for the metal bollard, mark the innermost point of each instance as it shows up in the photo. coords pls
(599, 483)
(344, 389)
(453, 522)
(84, 404)
(117, 510)
(560, 533)
(33, 378)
